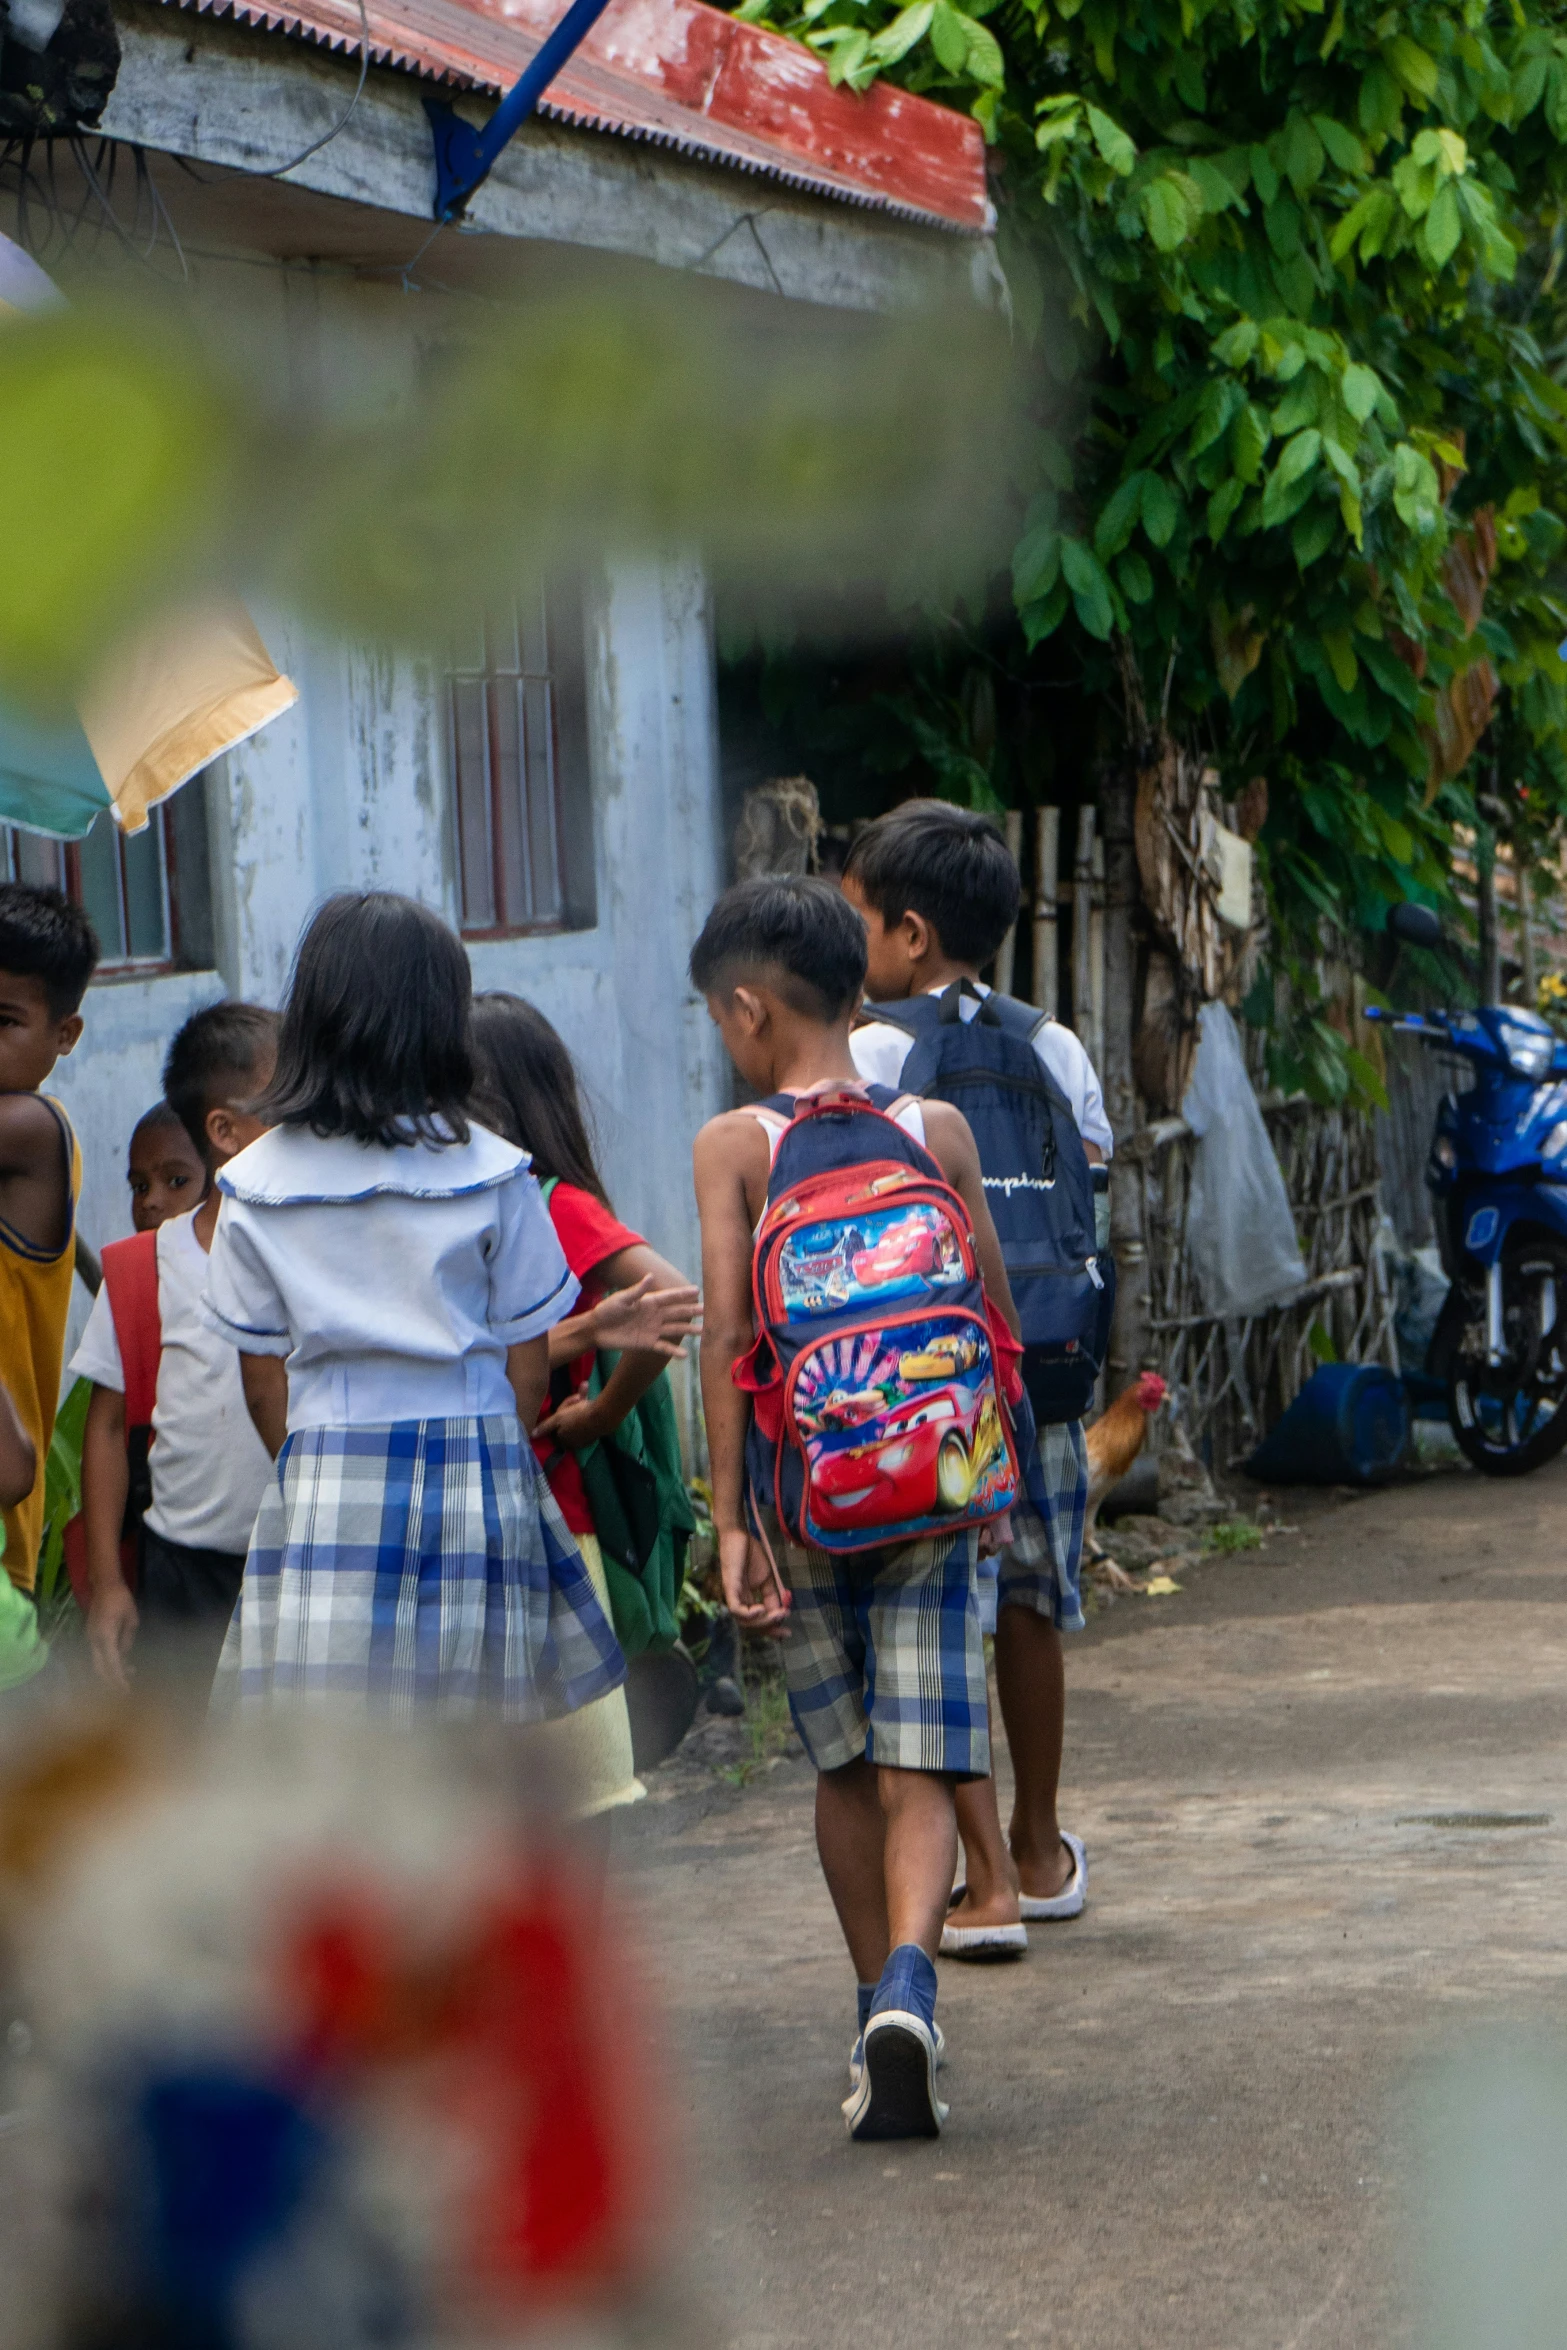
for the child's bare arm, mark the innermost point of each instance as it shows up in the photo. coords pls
(528, 1369)
(955, 1152)
(35, 1184)
(719, 1162)
(89, 1266)
(106, 1479)
(583, 1419)
(730, 1162)
(18, 1460)
(265, 1381)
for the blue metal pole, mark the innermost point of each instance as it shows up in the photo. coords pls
(464, 157)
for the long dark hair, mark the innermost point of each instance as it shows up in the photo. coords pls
(376, 1039)
(528, 1090)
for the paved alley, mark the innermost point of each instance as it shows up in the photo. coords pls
(1180, 2121)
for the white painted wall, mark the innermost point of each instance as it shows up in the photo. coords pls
(349, 789)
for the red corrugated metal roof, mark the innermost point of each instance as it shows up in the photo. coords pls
(682, 75)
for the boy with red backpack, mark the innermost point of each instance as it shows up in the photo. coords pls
(859, 1379)
(161, 1374)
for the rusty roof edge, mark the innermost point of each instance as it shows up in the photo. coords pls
(394, 56)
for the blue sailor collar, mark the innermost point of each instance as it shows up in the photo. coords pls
(290, 1167)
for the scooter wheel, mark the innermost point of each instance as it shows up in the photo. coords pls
(1510, 1434)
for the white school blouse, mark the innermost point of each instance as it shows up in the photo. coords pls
(208, 1467)
(392, 1279)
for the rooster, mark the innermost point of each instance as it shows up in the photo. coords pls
(1114, 1442)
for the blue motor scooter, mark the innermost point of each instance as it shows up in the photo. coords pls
(1498, 1173)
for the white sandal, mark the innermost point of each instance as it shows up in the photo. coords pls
(984, 1941)
(1069, 1902)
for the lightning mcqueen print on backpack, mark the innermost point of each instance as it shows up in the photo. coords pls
(882, 1384)
(1036, 1177)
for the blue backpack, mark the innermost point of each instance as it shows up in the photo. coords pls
(880, 1378)
(1037, 1180)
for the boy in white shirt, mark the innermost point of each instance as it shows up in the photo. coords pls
(208, 1467)
(938, 892)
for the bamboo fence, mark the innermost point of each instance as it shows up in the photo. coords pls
(1232, 1379)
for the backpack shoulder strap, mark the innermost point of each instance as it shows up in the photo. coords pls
(915, 1015)
(130, 1275)
(1018, 1018)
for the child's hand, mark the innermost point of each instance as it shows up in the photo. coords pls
(645, 1320)
(753, 1593)
(995, 1535)
(574, 1424)
(111, 1627)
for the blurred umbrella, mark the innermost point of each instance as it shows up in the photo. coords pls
(168, 699)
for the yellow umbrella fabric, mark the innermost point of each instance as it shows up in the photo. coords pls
(169, 699)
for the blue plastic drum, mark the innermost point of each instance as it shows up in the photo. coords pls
(1349, 1425)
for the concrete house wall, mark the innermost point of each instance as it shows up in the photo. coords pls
(303, 287)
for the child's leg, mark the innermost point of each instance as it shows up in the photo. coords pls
(1038, 1596)
(1031, 1682)
(989, 1872)
(919, 1855)
(851, 1836)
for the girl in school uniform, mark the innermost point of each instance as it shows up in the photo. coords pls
(632, 1300)
(389, 1275)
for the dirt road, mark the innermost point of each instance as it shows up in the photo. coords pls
(1182, 2120)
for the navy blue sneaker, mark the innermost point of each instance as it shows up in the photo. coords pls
(895, 2095)
(857, 2054)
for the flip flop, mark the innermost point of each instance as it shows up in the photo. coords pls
(984, 1941)
(1068, 1903)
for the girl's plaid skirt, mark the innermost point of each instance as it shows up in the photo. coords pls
(419, 1565)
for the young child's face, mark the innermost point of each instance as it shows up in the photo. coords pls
(31, 1038)
(164, 1174)
(889, 965)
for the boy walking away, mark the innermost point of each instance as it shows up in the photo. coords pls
(48, 951)
(938, 892)
(163, 1379)
(848, 1500)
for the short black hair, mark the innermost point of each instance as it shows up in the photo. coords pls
(802, 934)
(214, 1060)
(528, 1091)
(377, 1037)
(44, 937)
(949, 865)
(162, 1114)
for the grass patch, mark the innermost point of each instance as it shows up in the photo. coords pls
(767, 1726)
(1233, 1535)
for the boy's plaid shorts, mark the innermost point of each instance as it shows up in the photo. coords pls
(884, 1656)
(1040, 1568)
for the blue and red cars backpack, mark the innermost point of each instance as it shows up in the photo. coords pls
(881, 1381)
(1036, 1175)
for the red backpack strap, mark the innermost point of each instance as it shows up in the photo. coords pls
(130, 1275)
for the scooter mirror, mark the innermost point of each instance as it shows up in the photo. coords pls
(1417, 926)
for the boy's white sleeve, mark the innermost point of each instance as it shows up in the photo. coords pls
(97, 1355)
(241, 1301)
(531, 1285)
(1068, 1063)
(880, 1051)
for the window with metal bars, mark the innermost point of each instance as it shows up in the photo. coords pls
(519, 772)
(148, 894)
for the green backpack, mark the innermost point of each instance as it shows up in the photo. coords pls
(642, 1515)
(635, 1482)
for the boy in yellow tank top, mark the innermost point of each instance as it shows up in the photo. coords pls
(48, 949)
